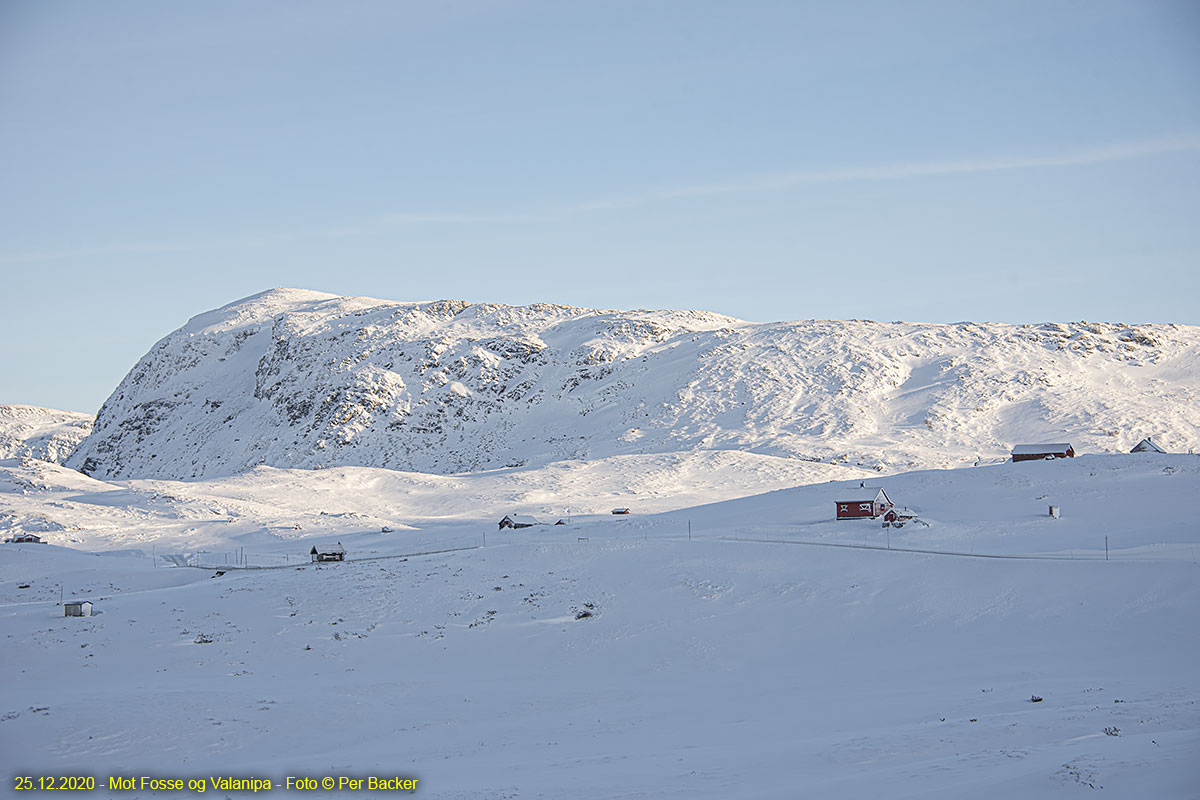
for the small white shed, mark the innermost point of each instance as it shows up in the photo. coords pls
(77, 608)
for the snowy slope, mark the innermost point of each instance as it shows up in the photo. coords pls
(616, 658)
(266, 504)
(41, 433)
(301, 379)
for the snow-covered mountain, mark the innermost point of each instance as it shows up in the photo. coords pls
(302, 379)
(41, 433)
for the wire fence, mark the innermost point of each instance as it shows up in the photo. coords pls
(238, 559)
(858, 538)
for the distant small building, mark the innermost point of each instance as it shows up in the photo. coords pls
(869, 502)
(1040, 452)
(26, 538)
(518, 521)
(620, 511)
(335, 553)
(1147, 445)
(77, 608)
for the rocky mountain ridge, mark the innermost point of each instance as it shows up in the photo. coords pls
(302, 379)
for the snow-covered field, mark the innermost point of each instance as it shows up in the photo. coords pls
(728, 638)
(771, 653)
(264, 506)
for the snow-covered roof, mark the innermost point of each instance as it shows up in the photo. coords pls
(1034, 449)
(1147, 445)
(866, 494)
(523, 519)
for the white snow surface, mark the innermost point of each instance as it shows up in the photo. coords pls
(728, 638)
(300, 379)
(750, 648)
(66, 507)
(41, 433)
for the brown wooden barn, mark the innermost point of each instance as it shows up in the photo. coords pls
(1042, 452)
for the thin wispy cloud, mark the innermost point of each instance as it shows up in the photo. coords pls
(920, 169)
(770, 182)
(434, 218)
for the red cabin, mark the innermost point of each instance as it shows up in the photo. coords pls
(1041, 452)
(870, 502)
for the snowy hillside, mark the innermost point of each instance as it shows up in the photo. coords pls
(293, 378)
(771, 653)
(268, 506)
(41, 433)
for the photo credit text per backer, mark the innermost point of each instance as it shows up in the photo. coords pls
(167, 784)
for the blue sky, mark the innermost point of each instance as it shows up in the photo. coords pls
(936, 161)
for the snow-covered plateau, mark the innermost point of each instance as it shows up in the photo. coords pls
(728, 638)
(41, 433)
(294, 378)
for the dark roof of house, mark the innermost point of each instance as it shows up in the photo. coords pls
(1037, 449)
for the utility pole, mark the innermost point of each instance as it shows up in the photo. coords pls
(689, 530)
